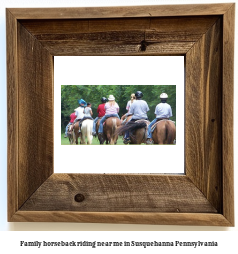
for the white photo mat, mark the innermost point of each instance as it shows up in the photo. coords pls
(119, 70)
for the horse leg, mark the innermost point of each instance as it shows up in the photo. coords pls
(112, 141)
(82, 141)
(109, 138)
(76, 139)
(143, 136)
(114, 138)
(89, 137)
(102, 139)
(162, 135)
(137, 137)
(170, 133)
(76, 135)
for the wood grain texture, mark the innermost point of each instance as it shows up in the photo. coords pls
(119, 36)
(35, 101)
(204, 196)
(121, 12)
(59, 29)
(114, 193)
(204, 115)
(191, 219)
(12, 109)
(227, 113)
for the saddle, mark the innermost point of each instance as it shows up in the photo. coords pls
(143, 120)
(85, 118)
(105, 120)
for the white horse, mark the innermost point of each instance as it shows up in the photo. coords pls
(86, 131)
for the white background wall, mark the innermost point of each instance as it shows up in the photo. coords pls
(66, 72)
(10, 237)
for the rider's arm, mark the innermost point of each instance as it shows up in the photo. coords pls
(123, 117)
(131, 110)
(170, 112)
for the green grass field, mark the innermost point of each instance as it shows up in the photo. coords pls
(65, 141)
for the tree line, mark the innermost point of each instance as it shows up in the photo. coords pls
(70, 94)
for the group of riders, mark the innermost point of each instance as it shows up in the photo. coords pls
(136, 108)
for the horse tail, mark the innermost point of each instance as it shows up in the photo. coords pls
(89, 132)
(130, 126)
(114, 125)
(113, 130)
(76, 128)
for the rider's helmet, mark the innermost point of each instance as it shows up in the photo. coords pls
(139, 94)
(103, 99)
(164, 96)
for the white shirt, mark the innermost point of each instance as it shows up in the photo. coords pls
(128, 105)
(79, 112)
(163, 110)
(87, 112)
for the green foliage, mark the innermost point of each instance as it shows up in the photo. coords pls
(70, 94)
(95, 141)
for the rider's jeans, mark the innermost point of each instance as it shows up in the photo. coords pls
(67, 127)
(149, 134)
(94, 124)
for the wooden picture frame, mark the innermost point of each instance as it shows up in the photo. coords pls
(204, 34)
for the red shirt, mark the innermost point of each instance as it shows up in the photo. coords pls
(101, 110)
(72, 117)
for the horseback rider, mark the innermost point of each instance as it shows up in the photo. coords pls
(128, 105)
(72, 118)
(162, 111)
(138, 110)
(111, 110)
(87, 115)
(79, 112)
(101, 112)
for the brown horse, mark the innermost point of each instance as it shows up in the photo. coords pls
(164, 133)
(125, 119)
(97, 124)
(109, 131)
(138, 130)
(76, 133)
(70, 134)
